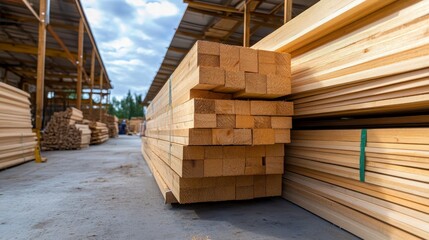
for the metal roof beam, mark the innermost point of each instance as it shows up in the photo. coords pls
(212, 7)
(22, 48)
(23, 19)
(225, 9)
(179, 50)
(274, 22)
(31, 9)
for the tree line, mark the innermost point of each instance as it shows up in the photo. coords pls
(127, 107)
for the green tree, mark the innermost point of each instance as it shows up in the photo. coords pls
(128, 107)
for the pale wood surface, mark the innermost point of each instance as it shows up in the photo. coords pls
(17, 141)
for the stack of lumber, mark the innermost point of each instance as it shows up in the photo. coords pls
(323, 175)
(135, 125)
(100, 132)
(64, 131)
(94, 114)
(112, 124)
(17, 141)
(360, 64)
(85, 136)
(372, 122)
(224, 122)
(377, 64)
(204, 142)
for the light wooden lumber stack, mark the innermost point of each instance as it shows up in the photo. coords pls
(86, 135)
(100, 132)
(360, 64)
(322, 175)
(224, 122)
(373, 122)
(17, 141)
(112, 124)
(375, 65)
(210, 135)
(64, 131)
(135, 125)
(94, 114)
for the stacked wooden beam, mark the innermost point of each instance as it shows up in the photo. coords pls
(64, 131)
(17, 141)
(135, 125)
(100, 132)
(372, 122)
(360, 64)
(112, 124)
(389, 190)
(204, 142)
(85, 135)
(224, 122)
(378, 64)
(94, 114)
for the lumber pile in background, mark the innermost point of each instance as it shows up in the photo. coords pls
(98, 126)
(135, 125)
(65, 131)
(100, 132)
(94, 114)
(323, 171)
(112, 124)
(85, 135)
(360, 64)
(210, 135)
(17, 141)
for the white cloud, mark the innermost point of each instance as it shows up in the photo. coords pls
(133, 62)
(141, 35)
(153, 10)
(95, 17)
(131, 38)
(118, 47)
(145, 51)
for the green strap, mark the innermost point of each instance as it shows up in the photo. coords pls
(363, 138)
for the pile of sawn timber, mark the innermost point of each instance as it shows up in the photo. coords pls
(94, 114)
(100, 132)
(325, 170)
(17, 141)
(361, 64)
(202, 143)
(112, 124)
(65, 131)
(135, 125)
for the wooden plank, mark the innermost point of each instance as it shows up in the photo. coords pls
(321, 19)
(80, 64)
(41, 55)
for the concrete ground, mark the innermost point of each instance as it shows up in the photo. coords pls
(108, 192)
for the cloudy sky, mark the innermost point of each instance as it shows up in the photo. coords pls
(133, 36)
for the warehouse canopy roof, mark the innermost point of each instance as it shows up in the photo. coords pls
(19, 43)
(220, 21)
